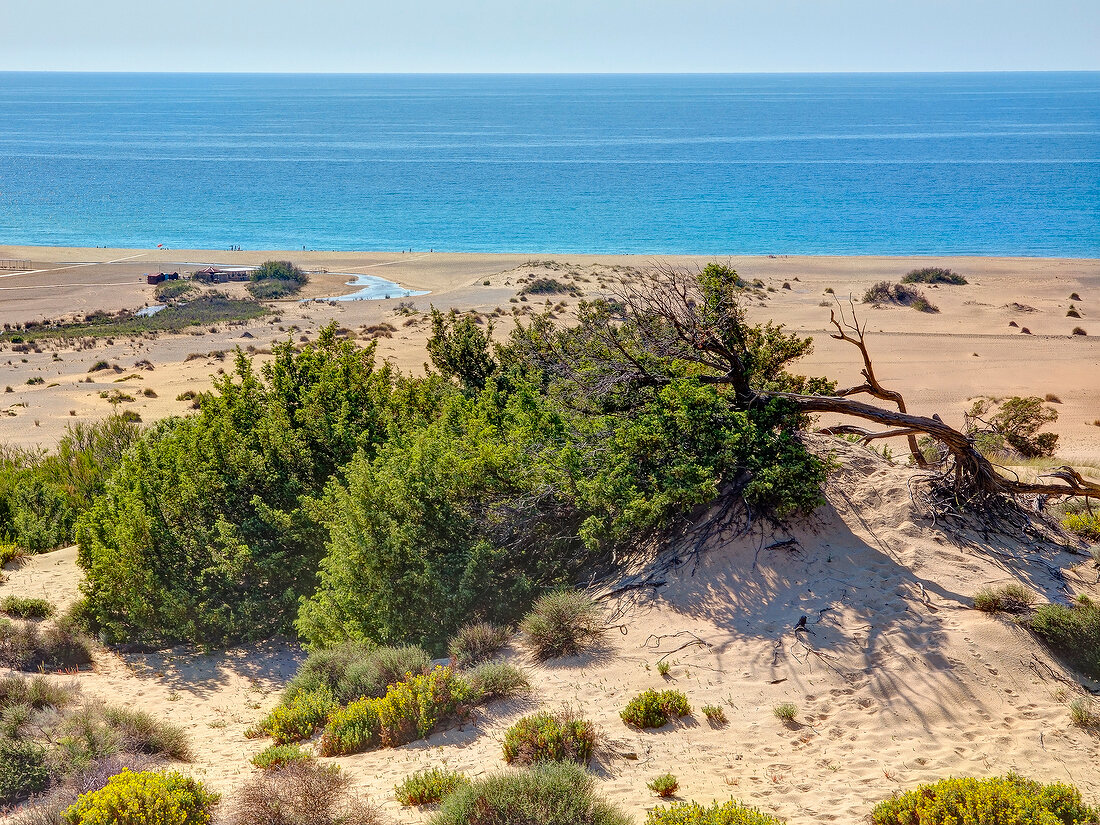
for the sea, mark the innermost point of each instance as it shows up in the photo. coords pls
(837, 164)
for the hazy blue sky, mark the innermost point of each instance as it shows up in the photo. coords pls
(550, 36)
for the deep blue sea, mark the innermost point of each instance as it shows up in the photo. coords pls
(992, 164)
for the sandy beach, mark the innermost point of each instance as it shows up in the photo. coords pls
(901, 682)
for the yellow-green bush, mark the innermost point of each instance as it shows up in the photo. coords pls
(410, 710)
(145, 798)
(299, 718)
(428, 786)
(1000, 800)
(1086, 525)
(725, 813)
(653, 708)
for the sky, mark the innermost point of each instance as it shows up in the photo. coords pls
(550, 36)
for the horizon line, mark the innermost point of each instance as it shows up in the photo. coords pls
(547, 73)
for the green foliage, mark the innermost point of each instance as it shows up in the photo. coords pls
(653, 708)
(459, 349)
(410, 710)
(272, 290)
(23, 769)
(549, 737)
(497, 680)
(785, 712)
(1084, 713)
(1003, 800)
(549, 794)
(562, 624)
(1085, 525)
(27, 608)
(212, 308)
(886, 293)
(145, 798)
(208, 531)
(715, 715)
(277, 756)
(297, 718)
(37, 692)
(719, 813)
(429, 786)
(279, 271)
(173, 290)
(1071, 632)
(353, 670)
(545, 286)
(664, 785)
(933, 275)
(1012, 425)
(1009, 598)
(476, 642)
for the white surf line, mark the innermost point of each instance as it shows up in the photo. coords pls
(75, 266)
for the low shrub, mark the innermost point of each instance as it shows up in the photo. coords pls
(37, 692)
(274, 757)
(1084, 713)
(562, 624)
(1009, 598)
(49, 808)
(715, 715)
(27, 608)
(1085, 525)
(476, 642)
(719, 813)
(1078, 331)
(664, 785)
(549, 737)
(300, 793)
(549, 794)
(429, 786)
(785, 712)
(297, 719)
(933, 275)
(23, 769)
(352, 729)
(141, 732)
(654, 708)
(163, 798)
(1073, 633)
(411, 709)
(1009, 799)
(663, 668)
(497, 680)
(25, 646)
(354, 670)
(886, 293)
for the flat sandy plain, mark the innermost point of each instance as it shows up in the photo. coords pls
(900, 681)
(938, 361)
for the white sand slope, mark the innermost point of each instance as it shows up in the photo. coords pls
(897, 680)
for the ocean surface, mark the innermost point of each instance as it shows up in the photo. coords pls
(991, 164)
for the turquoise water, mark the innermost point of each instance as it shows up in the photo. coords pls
(1005, 164)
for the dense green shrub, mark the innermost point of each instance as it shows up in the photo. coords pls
(145, 798)
(719, 813)
(411, 709)
(476, 642)
(549, 794)
(664, 785)
(301, 793)
(1003, 800)
(1086, 525)
(23, 769)
(653, 708)
(933, 275)
(277, 756)
(549, 737)
(429, 786)
(1071, 632)
(352, 729)
(562, 624)
(279, 271)
(27, 608)
(172, 290)
(205, 531)
(1012, 425)
(353, 670)
(497, 680)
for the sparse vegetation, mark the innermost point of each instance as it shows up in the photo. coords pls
(663, 668)
(653, 708)
(28, 647)
(1079, 331)
(562, 624)
(429, 786)
(278, 756)
(1007, 799)
(549, 737)
(886, 293)
(785, 712)
(476, 642)
(300, 793)
(555, 793)
(1084, 713)
(497, 680)
(664, 785)
(174, 290)
(545, 286)
(933, 275)
(715, 715)
(1009, 598)
(1072, 632)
